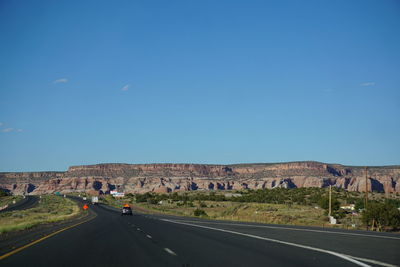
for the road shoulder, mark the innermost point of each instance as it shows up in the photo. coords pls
(13, 240)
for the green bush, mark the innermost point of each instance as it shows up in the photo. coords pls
(143, 197)
(359, 205)
(382, 216)
(324, 203)
(152, 201)
(203, 205)
(199, 212)
(3, 193)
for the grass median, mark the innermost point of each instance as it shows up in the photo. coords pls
(50, 209)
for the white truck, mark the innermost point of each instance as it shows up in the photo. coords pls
(95, 200)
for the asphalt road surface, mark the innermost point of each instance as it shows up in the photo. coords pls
(156, 240)
(26, 203)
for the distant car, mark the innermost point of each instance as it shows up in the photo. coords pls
(126, 210)
(95, 200)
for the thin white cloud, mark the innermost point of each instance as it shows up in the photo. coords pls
(1, 124)
(9, 130)
(62, 80)
(126, 87)
(368, 84)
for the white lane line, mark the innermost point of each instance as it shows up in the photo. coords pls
(292, 229)
(148, 236)
(170, 251)
(373, 261)
(297, 229)
(347, 258)
(138, 229)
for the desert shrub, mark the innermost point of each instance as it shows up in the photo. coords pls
(203, 205)
(199, 212)
(359, 204)
(152, 200)
(143, 197)
(324, 203)
(3, 193)
(382, 216)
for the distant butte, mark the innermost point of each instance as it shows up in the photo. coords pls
(163, 178)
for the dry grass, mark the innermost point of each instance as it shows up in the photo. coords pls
(50, 209)
(246, 212)
(8, 200)
(250, 212)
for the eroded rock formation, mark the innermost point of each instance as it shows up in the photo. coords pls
(163, 178)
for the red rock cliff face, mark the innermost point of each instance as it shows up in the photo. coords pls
(127, 170)
(134, 178)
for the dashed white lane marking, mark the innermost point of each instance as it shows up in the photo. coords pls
(170, 251)
(293, 229)
(344, 257)
(138, 229)
(148, 236)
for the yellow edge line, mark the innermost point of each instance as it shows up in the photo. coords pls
(2, 257)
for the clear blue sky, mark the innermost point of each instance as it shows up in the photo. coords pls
(85, 82)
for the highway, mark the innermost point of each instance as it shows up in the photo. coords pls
(158, 240)
(26, 203)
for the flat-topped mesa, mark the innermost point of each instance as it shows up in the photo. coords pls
(162, 169)
(141, 178)
(26, 182)
(311, 168)
(211, 171)
(40, 176)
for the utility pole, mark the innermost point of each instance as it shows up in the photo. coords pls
(366, 188)
(330, 200)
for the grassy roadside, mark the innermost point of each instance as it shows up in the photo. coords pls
(8, 200)
(234, 211)
(301, 206)
(50, 209)
(246, 212)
